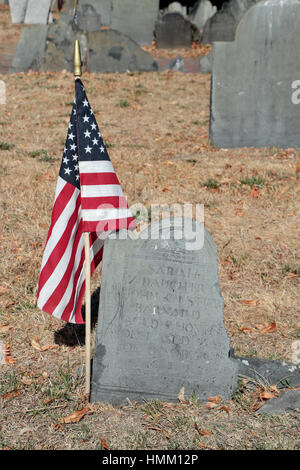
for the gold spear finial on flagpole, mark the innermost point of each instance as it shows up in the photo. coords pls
(77, 59)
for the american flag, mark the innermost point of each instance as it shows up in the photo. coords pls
(88, 198)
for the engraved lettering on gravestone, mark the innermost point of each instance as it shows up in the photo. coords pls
(155, 337)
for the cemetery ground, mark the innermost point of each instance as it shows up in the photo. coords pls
(156, 130)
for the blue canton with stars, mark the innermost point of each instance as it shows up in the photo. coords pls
(84, 141)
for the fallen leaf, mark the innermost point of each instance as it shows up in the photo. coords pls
(254, 192)
(250, 303)
(204, 432)
(7, 355)
(225, 408)
(3, 290)
(12, 394)
(210, 405)
(215, 399)
(265, 395)
(76, 416)
(35, 344)
(202, 445)
(246, 329)
(104, 444)
(298, 167)
(269, 328)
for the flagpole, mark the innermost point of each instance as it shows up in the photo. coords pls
(77, 74)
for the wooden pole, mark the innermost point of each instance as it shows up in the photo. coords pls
(77, 74)
(87, 314)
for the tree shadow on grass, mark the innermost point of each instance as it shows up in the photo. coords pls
(74, 335)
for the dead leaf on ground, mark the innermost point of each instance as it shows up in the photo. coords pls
(255, 192)
(298, 167)
(104, 444)
(210, 405)
(265, 395)
(204, 432)
(7, 355)
(267, 328)
(14, 393)
(250, 303)
(3, 290)
(247, 329)
(76, 416)
(215, 399)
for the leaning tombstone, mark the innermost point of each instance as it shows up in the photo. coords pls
(17, 10)
(251, 98)
(37, 12)
(160, 326)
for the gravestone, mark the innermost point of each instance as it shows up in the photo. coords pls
(88, 19)
(222, 25)
(17, 10)
(251, 97)
(103, 8)
(202, 13)
(37, 12)
(111, 51)
(160, 323)
(29, 54)
(172, 31)
(135, 19)
(176, 7)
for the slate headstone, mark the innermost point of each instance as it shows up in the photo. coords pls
(88, 19)
(60, 44)
(102, 8)
(251, 98)
(37, 12)
(172, 31)
(29, 54)
(160, 323)
(222, 25)
(110, 51)
(17, 10)
(135, 19)
(288, 402)
(269, 372)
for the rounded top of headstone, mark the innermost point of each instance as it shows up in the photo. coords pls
(259, 20)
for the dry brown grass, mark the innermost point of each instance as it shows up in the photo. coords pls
(159, 145)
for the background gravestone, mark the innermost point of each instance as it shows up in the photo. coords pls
(135, 19)
(160, 324)
(251, 103)
(173, 30)
(29, 54)
(37, 12)
(103, 8)
(17, 10)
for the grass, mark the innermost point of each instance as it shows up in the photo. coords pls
(253, 181)
(6, 146)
